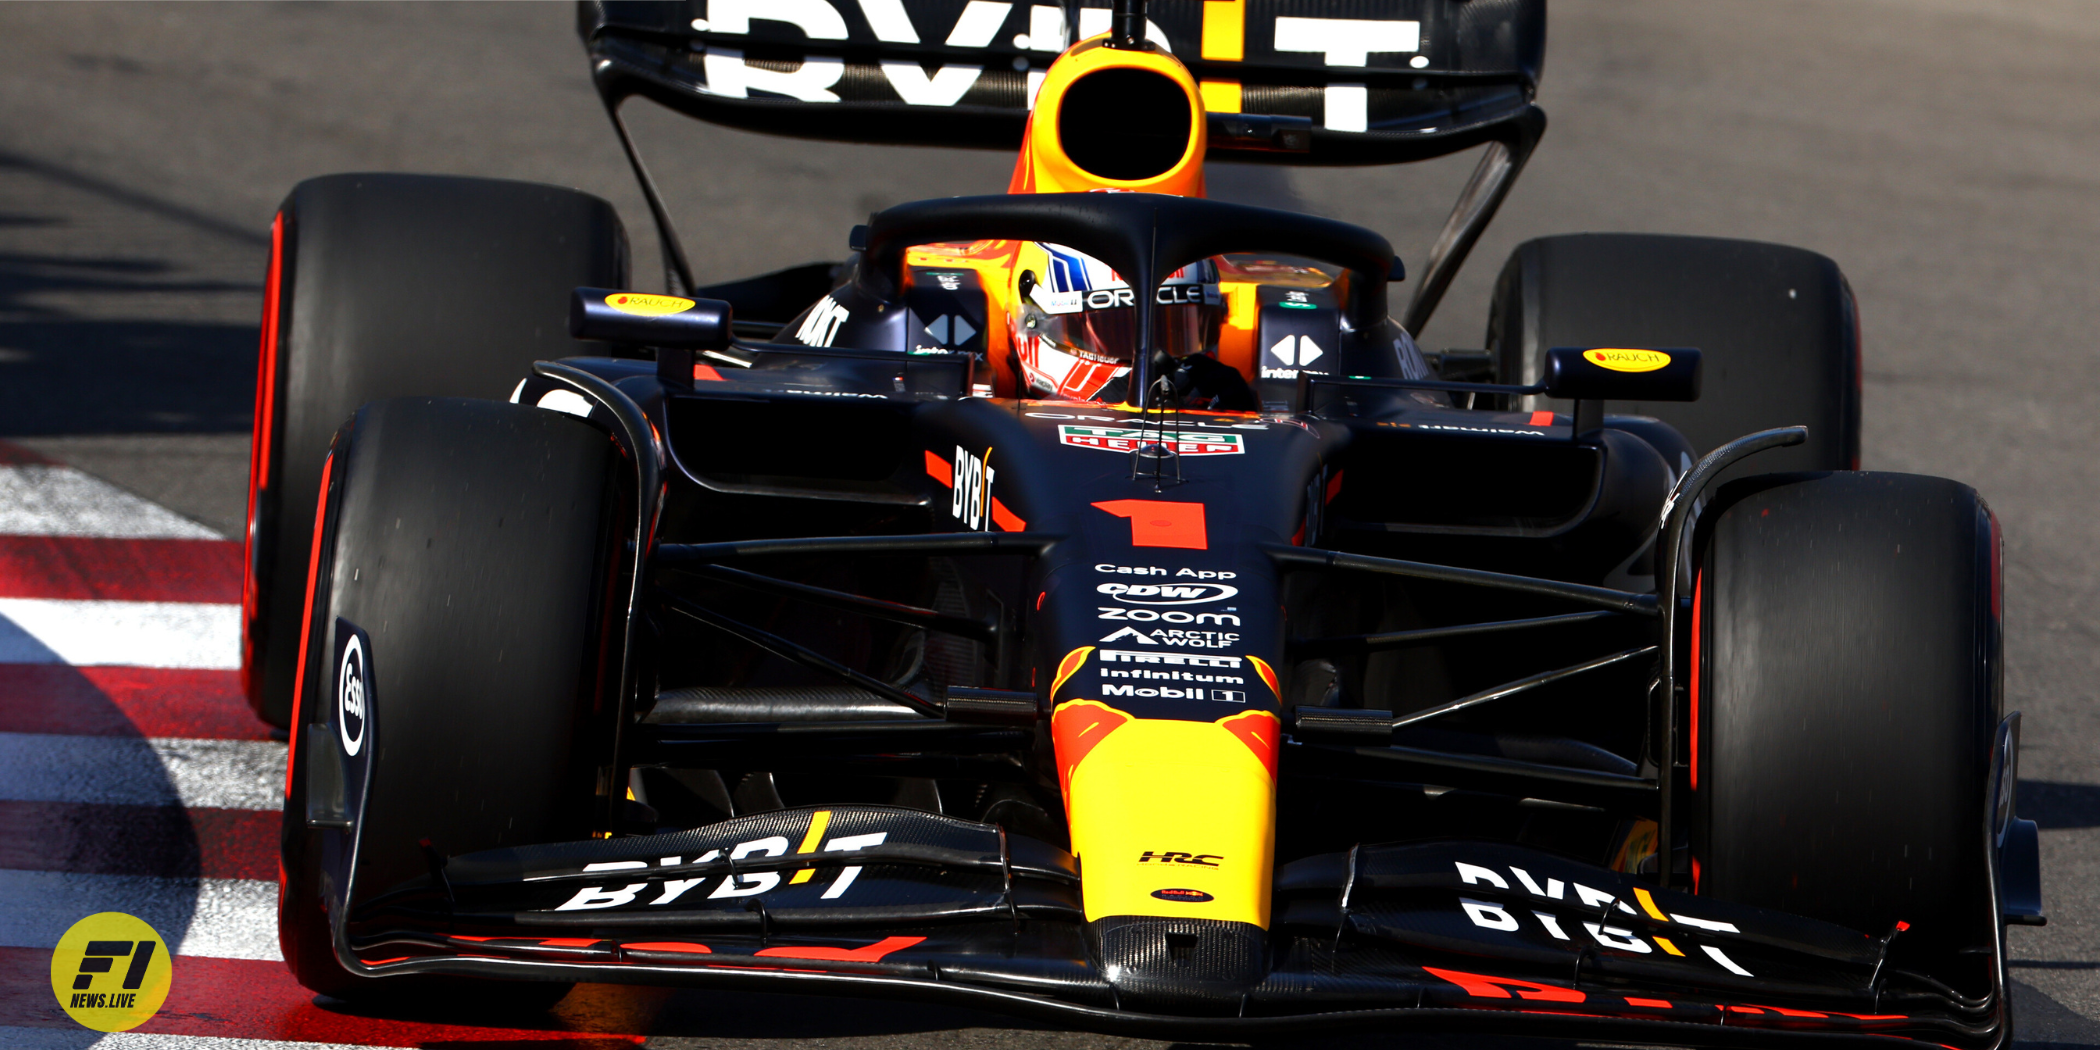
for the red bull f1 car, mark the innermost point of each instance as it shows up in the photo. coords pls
(1088, 601)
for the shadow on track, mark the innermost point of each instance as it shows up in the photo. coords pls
(115, 342)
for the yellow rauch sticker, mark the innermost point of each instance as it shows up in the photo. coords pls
(647, 305)
(111, 972)
(1620, 360)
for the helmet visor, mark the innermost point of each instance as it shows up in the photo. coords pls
(1110, 334)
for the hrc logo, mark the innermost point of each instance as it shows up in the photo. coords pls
(1207, 860)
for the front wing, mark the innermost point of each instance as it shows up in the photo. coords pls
(875, 900)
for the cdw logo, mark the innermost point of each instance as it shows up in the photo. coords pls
(671, 889)
(1167, 593)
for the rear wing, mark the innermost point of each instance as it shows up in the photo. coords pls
(1284, 81)
(1373, 81)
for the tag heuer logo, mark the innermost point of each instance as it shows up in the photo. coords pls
(1128, 439)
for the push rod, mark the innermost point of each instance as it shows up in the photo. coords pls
(1029, 544)
(1356, 643)
(1601, 597)
(895, 612)
(1521, 685)
(790, 651)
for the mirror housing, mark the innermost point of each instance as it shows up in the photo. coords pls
(671, 321)
(1621, 374)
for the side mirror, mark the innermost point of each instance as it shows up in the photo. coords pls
(670, 321)
(1622, 374)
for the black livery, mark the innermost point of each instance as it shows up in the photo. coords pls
(777, 641)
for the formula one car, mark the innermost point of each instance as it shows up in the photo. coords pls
(1088, 602)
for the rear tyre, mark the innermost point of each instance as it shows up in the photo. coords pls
(1776, 325)
(468, 551)
(386, 286)
(1847, 665)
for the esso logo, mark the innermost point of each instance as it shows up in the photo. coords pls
(350, 697)
(1167, 593)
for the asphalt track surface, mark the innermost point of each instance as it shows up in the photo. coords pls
(1945, 152)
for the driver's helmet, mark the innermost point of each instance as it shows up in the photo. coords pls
(1075, 322)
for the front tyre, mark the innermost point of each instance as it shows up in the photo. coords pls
(1847, 669)
(386, 285)
(454, 662)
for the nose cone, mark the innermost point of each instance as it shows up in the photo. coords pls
(1204, 967)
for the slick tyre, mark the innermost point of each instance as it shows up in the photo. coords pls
(466, 556)
(388, 286)
(1846, 660)
(1776, 325)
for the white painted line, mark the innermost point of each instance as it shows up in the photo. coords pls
(222, 918)
(40, 500)
(74, 1038)
(211, 774)
(132, 634)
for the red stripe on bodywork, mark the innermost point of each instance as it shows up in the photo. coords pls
(1542, 419)
(1268, 674)
(91, 569)
(871, 953)
(1262, 734)
(707, 372)
(1487, 987)
(163, 841)
(1077, 728)
(1068, 666)
(125, 701)
(1161, 523)
(1784, 1012)
(1006, 519)
(940, 469)
(257, 999)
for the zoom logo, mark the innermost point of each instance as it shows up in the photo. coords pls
(1167, 593)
